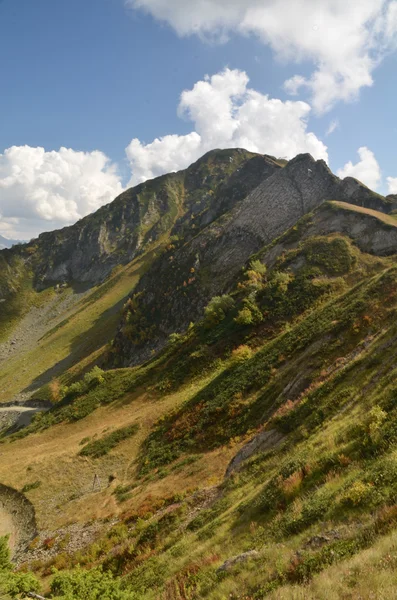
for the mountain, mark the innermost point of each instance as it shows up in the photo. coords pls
(210, 365)
(7, 243)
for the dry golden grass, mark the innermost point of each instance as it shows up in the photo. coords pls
(370, 575)
(387, 219)
(66, 493)
(79, 337)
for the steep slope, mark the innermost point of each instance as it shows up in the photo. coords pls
(294, 371)
(84, 254)
(180, 283)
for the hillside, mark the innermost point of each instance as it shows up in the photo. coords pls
(219, 362)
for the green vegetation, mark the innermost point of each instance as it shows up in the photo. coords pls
(299, 351)
(88, 585)
(30, 486)
(13, 585)
(108, 442)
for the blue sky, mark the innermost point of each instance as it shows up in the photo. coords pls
(92, 75)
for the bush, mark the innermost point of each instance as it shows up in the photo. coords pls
(217, 309)
(358, 493)
(250, 314)
(31, 486)
(94, 376)
(5, 563)
(101, 447)
(88, 585)
(244, 317)
(257, 266)
(241, 354)
(11, 583)
(174, 338)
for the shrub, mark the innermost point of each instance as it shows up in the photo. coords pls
(257, 266)
(358, 493)
(280, 281)
(94, 376)
(241, 354)
(250, 314)
(88, 585)
(5, 563)
(108, 442)
(31, 486)
(11, 583)
(374, 422)
(244, 317)
(174, 338)
(217, 309)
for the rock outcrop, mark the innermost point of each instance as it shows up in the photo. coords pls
(180, 283)
(216, 214)
(17, 519)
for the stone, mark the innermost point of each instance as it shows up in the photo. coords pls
(231, 562)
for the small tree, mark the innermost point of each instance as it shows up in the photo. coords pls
(217, 309)
(94, 376)
(258, 267)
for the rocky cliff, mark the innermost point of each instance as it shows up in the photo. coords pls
(213, 216)
(176, 289)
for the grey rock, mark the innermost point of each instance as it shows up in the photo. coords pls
(261, 442)
(231, 562)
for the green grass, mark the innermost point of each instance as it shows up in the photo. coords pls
(104, 445)
(317, 364)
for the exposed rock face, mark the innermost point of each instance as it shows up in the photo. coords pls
(369, 233)
(262, 441)
(357, 193)
(218, 212)
(17, 518)
(89, 250)
(178, 286)
(114, 235)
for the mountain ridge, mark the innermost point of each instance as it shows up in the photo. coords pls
(250, 451)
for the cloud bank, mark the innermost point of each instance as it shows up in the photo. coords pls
(344, 40)
(227, 113)
(44, 190)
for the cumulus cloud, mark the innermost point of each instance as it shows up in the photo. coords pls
(392, 185)
(344, 40)
(367, 170)
(44, 190)
(227, 113)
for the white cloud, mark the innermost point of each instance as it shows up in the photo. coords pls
(344, 40)
(392, 185)
(333, 126)
(43, 190)
(367, 170)
(227, 114)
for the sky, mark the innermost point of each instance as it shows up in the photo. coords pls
(99, 95)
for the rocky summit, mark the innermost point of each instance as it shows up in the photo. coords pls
(198, 391)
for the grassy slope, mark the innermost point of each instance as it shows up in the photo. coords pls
(79, 339)
(387, 219)
(329, 476)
